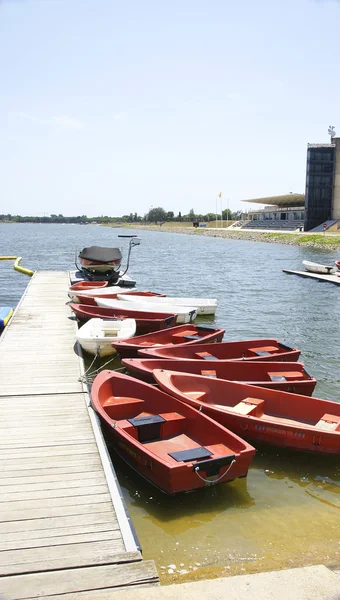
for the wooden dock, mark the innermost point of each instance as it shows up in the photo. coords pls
(319, 276)
(64, 530)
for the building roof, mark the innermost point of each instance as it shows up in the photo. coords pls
(285, 200)
(321, 145)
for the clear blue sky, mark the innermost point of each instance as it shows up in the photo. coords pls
(111, 107)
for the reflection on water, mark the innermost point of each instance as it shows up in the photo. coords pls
(286, 513)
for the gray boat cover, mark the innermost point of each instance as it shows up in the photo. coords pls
(100, 254)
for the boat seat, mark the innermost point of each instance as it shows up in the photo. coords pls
(329, 423)
(263, 351)
(174, 424)
(285, 376)
(192, 337)
(149, 427)
(196, 395)
(122, 407)
(191, 454)
(208, 373)
(249, 406)
(206, 356)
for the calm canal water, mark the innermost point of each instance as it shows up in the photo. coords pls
(286, 513)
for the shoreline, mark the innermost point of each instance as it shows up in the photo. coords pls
(309, 240)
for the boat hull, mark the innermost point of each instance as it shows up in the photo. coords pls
(309, 424)
(203, 306)
(180, 428)
(288, 377)
(249, 350)
(317, 268)
(184, 314)
(86, 312)
(96, 335)
(175, 335)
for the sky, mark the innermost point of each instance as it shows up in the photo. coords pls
(111, 107)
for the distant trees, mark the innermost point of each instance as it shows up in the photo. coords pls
(156, 215)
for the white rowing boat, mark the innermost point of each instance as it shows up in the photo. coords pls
(96, 336)
(317, 268)
(204, 306)
(185, 314)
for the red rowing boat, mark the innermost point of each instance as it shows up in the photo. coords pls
(86, 286)
(167, 442)
(258, 414)
(262, 349)
(288, 377)
(90, 296)
(85, 312)
(185, 335)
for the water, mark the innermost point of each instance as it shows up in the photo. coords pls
(286, 513)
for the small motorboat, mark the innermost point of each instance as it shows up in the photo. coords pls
(185, 314)
(99, 263)
(288, 377)
(261, 349)
(111, 293)
(258, 414)
(6, 313)
(166, 441)
(183, 334)
(96, 335)
(317, 268)
(85, 286)
(100, 259)
(204, 306)
(146, 324)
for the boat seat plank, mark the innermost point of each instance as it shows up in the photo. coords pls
(249, 406)
(263, 350)
(190, 454)
(206, 356)
(209, 373)
(285, 376)
(329, 423)
(163, 448)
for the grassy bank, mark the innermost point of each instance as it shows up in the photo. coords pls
(329, 241)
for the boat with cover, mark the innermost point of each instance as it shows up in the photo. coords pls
(96, 335)
(146, 324)
(288, 377)
(260, 349)
(99, 263)
(204, 306)
(185, 314)
(183, 334)
(258, 414)
(166, 441)
(317, 268)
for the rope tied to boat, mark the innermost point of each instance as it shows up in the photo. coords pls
(215, 480)
(88, 376)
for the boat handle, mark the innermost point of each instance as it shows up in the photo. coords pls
(196, 469)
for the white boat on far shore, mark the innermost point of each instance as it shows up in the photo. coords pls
(318, 268)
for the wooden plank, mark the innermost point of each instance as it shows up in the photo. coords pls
(114, 537)
(45, 512)
(19, 485)
(67, 556)
(24, 494)
(26, 537)
(50, 451)
(57, 471)
(93, 514)
(55, 584)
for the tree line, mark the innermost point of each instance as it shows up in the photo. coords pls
(154, 215)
